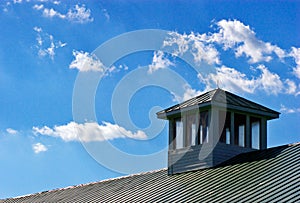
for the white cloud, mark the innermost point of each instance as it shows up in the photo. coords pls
(189, 93)
(295, 53)
(291, 87)
(159, 61)
(269, 82)
(284, 109)
(86, 62)
(38, 7)
(50, 13)
(105, 13)
(89, 132)
(234, 34)
(77, 14)
(11, 131)
(37, 29)
(181, 40)
(231, 34)
(230, 79)
(116, 69)
(233, 80)
(39, 147)
(17, 1)
(46, 44)
(196, 44)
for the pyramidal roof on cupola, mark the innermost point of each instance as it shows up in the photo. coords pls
(221, 98)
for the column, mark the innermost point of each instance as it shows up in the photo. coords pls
(232, 128)
(248, 132)
(263, 134)
(214, 130)
(171, 134)
(184, 125)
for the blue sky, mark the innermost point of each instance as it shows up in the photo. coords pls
(49, 61)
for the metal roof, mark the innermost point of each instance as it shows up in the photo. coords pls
(270, 175)
(222, 98)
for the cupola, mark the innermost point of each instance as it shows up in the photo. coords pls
(213, 127)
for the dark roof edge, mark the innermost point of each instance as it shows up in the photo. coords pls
(86, 184)
(163, 114)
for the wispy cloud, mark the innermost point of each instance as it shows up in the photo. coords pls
(284, 109)
(11, 131)
(46, 44)
(159, 61)
(85, 61)
(77, 14)
(88, 132)
(17, 1)
(39, 147)
(38, 7)
(295, 53)
(106, 14)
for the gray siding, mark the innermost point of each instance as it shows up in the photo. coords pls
(187, 159)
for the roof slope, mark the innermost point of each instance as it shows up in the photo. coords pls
(270, 175)
(221, 97)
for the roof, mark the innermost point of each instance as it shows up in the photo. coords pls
(270, 175)
(222, 98)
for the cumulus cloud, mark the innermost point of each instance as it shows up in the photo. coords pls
(269, 82)
(234, 34)
(50, 13)
(234, 80)
(230, 79)
(46, 44)
(291, 87)
(240, 38)
(196, 44)
(88, 132)
(231, 34)
(77, 14)
(11, 131)
(86, 62)
(159, 61)
(39, 147)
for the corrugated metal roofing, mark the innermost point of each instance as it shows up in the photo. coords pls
(220, 96)
(271, 175)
